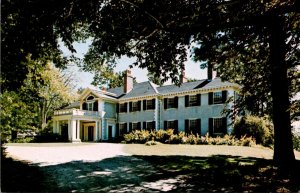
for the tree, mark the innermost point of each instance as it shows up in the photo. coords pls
(46, 89)
(15, 115)
(159, 32)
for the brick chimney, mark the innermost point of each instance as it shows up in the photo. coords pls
(211, 73)
(128, 81)
(183, 79)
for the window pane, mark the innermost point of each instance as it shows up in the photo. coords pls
(171, 103)
(149, 104)
(135, 106)
(123, 108)
(135, 126)
(122, 128)
(217, 97)
(90, 106)
(149, 126)
(218, 125)
(193, 100)
(171, 125)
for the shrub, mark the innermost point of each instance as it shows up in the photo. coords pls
(258, 128)
(47, 136)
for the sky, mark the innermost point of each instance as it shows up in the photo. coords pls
(192, 69)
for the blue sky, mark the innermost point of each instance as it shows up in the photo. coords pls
(85, 78)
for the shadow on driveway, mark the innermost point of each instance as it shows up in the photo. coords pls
(165, 173)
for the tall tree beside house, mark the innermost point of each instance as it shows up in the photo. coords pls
(46, 89)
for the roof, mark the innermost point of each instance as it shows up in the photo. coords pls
(148, 88)
(140, 90)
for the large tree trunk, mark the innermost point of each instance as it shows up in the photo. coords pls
(283, 148)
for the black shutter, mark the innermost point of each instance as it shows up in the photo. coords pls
(153, 125)
(199, 99)
(139, 126)
(130, 127)
(95, 107)
(144, 125)
(117, 130)
(165, 125)
(210, 98)
(224, 96)
(176, 102)
(125, 128)
(153, 103)
(176, 126)
(144, 105)
(199, 126)
(139, 106)
(224, 125)
(187, 125)
(211, 126)
(117, 108)
(165, 103)
(126, 105)
(187, 100)
(84, 106)
(130, 106)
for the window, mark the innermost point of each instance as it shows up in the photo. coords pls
(90, 106)
(217, 97)
(123, 108)
(192, 100)
(149, 104)
(217, 126)
(193, 126)
(136, 126)
(135, 106)
(150, 125)
(89, 98)
(171, 103)
(123, 128)
(171, 125)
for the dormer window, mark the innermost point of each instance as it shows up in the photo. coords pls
(90, 104)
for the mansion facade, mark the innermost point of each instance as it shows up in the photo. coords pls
(193, 107)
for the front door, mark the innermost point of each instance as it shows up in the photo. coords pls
(109, 132)
(90, 133)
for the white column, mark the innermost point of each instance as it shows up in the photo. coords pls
(69, 130)
(54, 126)
(100, 130)
(58, 130)
(78, 129)
(73, 129)
(97, 130)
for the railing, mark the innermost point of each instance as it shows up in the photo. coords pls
(76, 112)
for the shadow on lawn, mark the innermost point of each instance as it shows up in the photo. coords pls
(167, 173)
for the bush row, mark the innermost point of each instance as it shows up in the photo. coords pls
(168, 136)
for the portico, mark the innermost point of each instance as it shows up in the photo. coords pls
(81, 125)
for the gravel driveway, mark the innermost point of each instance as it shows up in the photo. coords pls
(105, 167)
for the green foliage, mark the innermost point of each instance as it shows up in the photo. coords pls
(168, 137)
(251, 126)
(296, 141)
(15, 115)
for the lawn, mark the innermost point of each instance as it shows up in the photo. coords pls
(140, 168)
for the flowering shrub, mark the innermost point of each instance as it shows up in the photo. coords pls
(168, 136)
